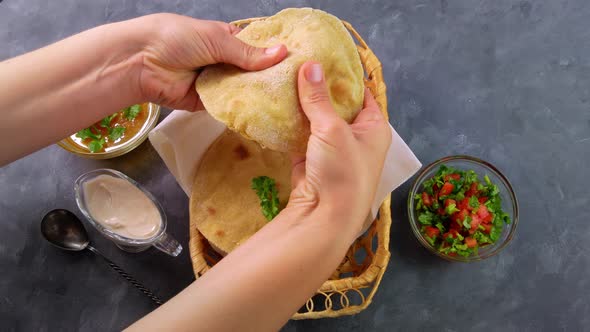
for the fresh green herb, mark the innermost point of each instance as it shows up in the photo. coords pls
(106, 122)
(473, 202)
(268, 194)
(131, 112)
(430, 240)
(96, 145)
(426, 218)
(97, 141)
(470, 176)
(419, 202)
(427, 185)
(86, 134)
(459, 196)
(467, 222)
(481, 238)
(116, 132)
(451, 208)
(440, 227)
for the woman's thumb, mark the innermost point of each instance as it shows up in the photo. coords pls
(238, 53)
(313, 95)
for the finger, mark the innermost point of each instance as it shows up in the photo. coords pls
(236, 52)
(234, 29)
(199, 105)
(370, 111)
(370, 126)
(189, 102)
(313, 95)
(297, 169)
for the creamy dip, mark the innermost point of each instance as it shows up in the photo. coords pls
(121, 207)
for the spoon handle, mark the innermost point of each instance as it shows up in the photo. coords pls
(129, 278)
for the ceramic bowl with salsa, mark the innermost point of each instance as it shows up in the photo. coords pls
(115, 134)
(462, 209)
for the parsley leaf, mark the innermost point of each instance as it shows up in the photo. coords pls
(106, 122)
(266, 190)
(451, 208)
(87, 133)
(427, 185)
(430, 240)
(473, 202)
(481, 238)
(131, 112)
(440, 227)
(419, 202)
(426, 218)
(96, 145)
(467, 222)
(469, 177)
(116, 132)
(496, 232)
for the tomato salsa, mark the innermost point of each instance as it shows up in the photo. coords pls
(459, 214)
(113, 130)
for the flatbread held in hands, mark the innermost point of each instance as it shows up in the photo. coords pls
(263, 105)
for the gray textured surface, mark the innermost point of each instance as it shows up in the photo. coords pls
(508, 81)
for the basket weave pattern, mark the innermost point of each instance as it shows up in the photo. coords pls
(351, 287)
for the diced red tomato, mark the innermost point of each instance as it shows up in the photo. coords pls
(431, 232)
(484, 214)
(470, 242)
(441, 211)
(464, 204)
(472, 190)
(446, 189)
(435, 188)
(453, 176)
(487, 228)
(482, 199)
(455, 225)
(426, 199)
(453, 254)
(475, 222)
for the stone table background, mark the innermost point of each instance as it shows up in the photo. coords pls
(506, 81)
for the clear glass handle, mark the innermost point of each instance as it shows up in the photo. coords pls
(169, 245)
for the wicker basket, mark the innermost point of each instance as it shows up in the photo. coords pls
(351, 287)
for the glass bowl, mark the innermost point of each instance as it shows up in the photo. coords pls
(509, 204)
(153, 114)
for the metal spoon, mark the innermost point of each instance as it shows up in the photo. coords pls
(64, 230)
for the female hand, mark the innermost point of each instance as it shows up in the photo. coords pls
(182, 45)
(341, 169)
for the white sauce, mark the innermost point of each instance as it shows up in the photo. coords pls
(121, 207)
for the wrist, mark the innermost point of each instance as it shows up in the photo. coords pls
(124, 47)
(335, 224)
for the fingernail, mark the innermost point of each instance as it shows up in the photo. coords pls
(272, 50)
(314, 73)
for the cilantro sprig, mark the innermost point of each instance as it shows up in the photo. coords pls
(131, 112)
(267, 192)
(97, 141)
